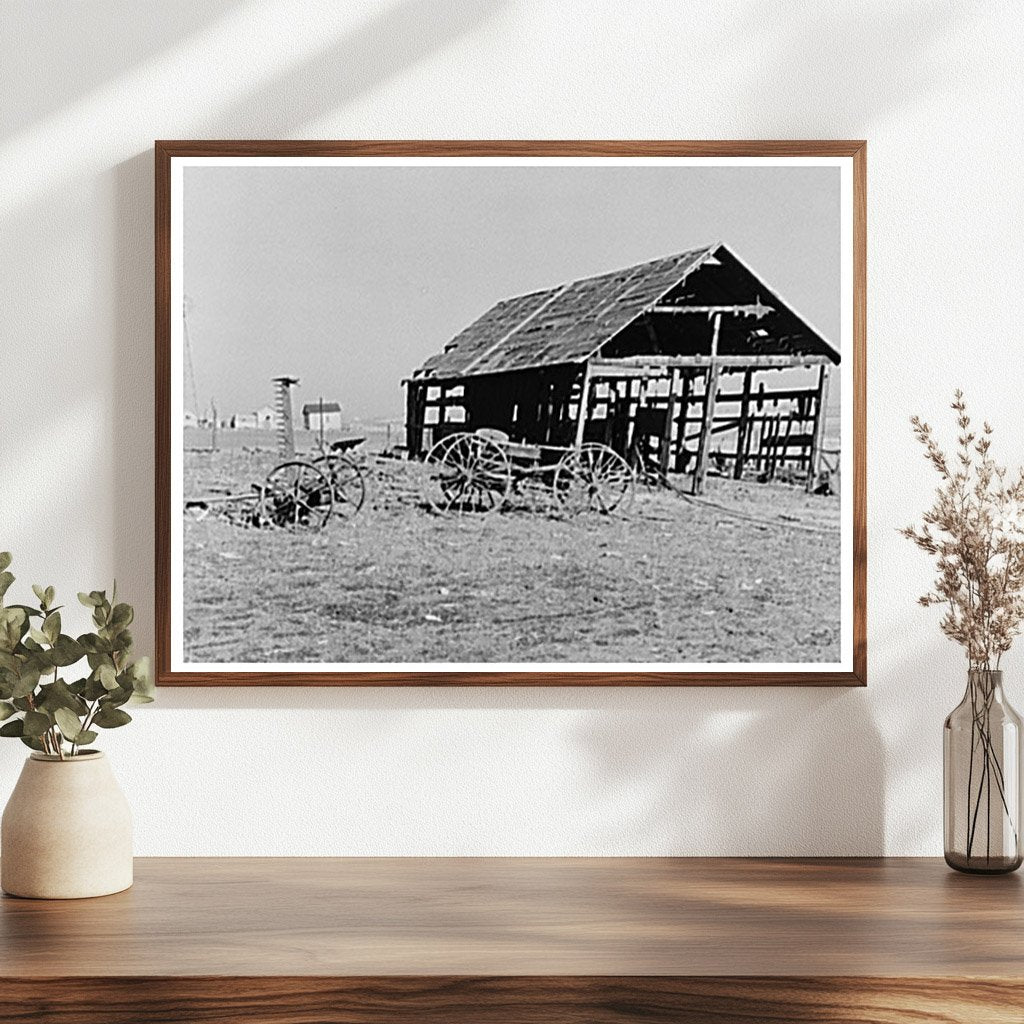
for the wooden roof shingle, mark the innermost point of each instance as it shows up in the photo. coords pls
(562, 325)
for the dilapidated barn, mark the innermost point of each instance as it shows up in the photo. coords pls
(681, 364)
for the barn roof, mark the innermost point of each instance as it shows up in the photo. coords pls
(315, 407)
(570, 323)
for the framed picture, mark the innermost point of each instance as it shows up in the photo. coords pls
(492, 413)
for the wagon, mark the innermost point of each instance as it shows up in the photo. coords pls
(482, 471)
(297, 494)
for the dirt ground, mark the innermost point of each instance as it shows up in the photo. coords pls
(752, 574)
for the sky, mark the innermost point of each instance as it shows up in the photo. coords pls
(350, 277)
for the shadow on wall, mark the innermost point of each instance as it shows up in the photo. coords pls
(59, 40)
(740, 772)
(386, 45)
(826, 66)
(686, 771)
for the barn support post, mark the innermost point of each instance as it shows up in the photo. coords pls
(442, 406)
(710, 396)
(742, 436)
(416, 418)
(818, 435)
(670, 414)
(412, 431)
(684, 416)
(584, 406)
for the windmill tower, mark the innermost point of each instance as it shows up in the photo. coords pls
(285, 420)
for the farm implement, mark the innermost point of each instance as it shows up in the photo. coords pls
(298, 493)
(483, 472)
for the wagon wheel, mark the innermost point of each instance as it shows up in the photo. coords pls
(347, 483)
(296, 496)
(594, 479)
(467, 473)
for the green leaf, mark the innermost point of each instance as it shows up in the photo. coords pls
(93, 644)
(6, 710)
(5, 560)
(36, 723)
(40, 593)
(30, 612)
(123, 694)
(86, 736)
(108, 718)
(142, 678)
(27, 681)
(50, 594)
(107, 676)
(13, 625)
(51, 626)
(59, 695)
(94, 689)
(68, 722)
(89, 600)
(6, 579)
(67, 651)
(13, 728)
(122, 616)
(31, 741)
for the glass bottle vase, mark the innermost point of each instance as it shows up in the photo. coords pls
(981, 771)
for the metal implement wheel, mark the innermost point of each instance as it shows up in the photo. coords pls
(296, 496)
(594, 479)
(466, 473)
(347, 484)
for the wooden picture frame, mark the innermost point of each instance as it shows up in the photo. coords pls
(848, 156)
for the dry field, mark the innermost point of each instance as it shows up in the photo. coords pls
(751, 575)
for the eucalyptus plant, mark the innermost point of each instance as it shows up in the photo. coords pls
(37, 704)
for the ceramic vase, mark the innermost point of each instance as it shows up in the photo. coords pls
(66, 831)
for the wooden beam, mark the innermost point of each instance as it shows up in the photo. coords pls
(756, 309)
(651, 365)
(710, 393)
(670, 415)
(744, 425)
(818, 434)
(684, 413)
(584, 407)
(412, 440)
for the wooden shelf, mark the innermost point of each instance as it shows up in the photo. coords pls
(505, 940)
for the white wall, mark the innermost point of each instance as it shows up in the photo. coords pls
(937, 89)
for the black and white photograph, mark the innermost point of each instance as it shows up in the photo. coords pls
(511, 414)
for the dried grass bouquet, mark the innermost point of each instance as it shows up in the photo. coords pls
(975, 531)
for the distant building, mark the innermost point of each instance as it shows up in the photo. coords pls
(261, 419)
(190, 419)
(331, 412)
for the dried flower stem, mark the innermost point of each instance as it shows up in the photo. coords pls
(975, 532)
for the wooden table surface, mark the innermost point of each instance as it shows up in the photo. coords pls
(485, 939)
